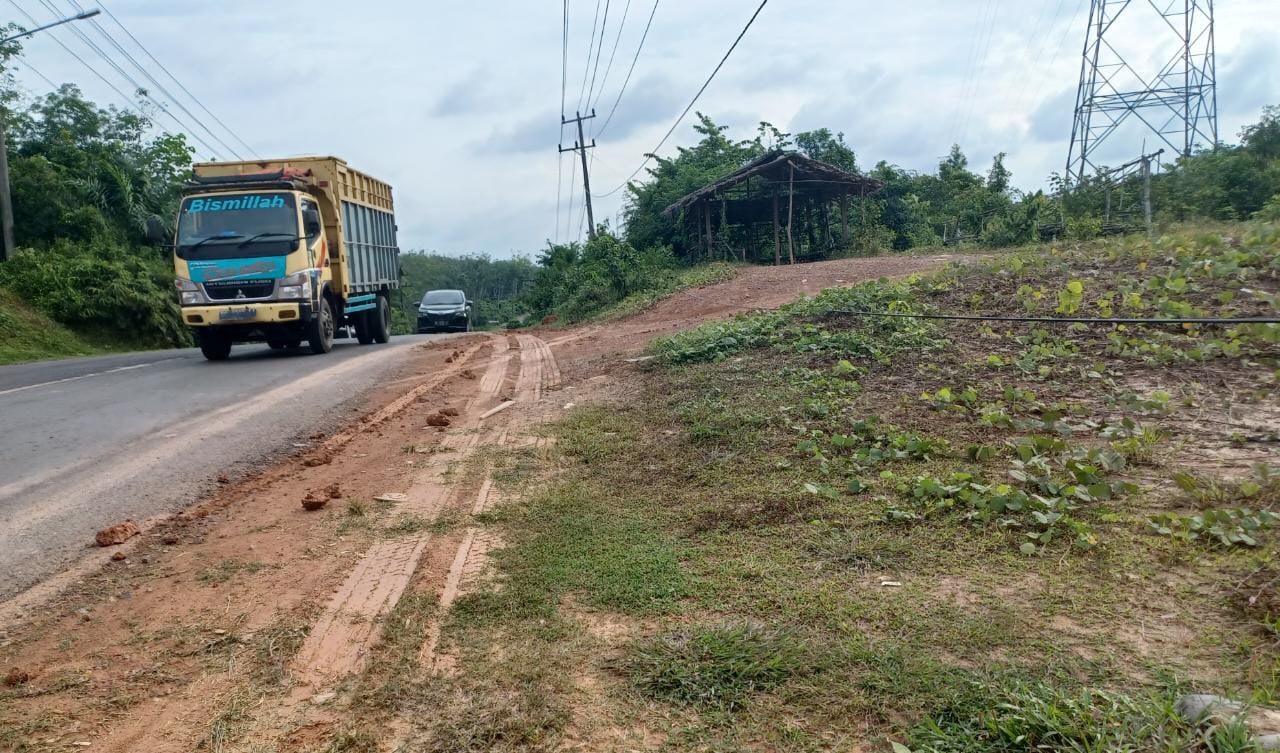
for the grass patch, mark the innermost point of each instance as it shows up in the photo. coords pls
(717, 667)
(1014, 716)
(668, 284)
(31, 336)
(228, 569)
(576, 538)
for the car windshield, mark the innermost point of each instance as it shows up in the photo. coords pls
(443, 298)
(236, 225)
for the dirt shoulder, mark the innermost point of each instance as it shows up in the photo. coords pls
(247, 622)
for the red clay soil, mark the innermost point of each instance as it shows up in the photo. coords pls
(199, 635)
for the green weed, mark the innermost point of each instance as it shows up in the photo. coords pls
(717, 667)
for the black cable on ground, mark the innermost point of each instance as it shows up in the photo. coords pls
(1065, 320)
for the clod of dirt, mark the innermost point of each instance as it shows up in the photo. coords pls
(448, 411)
(549, 319)
(118, 557)
(223, 478)
(449, 359)
(16, 677)
(313, 502)
(117, 534)
(468, 374)
(317, 460)
(334, 491)
(169, 540)
(438, 419)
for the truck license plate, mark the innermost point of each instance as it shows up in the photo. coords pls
(237, 314)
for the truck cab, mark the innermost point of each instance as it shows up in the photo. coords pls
(284, 256)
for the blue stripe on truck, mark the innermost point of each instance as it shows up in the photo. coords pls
(362, 298)
(361, 307)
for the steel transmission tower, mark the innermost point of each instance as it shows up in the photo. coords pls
(1178, 102)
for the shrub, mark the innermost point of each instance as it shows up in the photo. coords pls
(101, 286)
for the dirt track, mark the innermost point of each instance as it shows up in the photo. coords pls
(144, 654)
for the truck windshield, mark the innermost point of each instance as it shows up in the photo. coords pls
(224, 226)
(443, 298)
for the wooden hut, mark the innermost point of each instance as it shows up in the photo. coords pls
(779, 201)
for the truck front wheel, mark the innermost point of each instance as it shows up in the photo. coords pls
(380, 321)
(321, 328)
(214, 344)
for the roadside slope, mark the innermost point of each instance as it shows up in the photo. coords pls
(31, 336)
(246, 622)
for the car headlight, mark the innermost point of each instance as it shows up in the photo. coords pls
(296, 285)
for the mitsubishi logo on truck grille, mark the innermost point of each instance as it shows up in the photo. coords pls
(240, 295)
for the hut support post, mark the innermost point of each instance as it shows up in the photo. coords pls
(777, 236)
(844, 218)
(791, 208)
(706, 214)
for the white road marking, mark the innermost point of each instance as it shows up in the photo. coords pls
(85, 376)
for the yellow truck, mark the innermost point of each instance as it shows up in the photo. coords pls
(283, 252)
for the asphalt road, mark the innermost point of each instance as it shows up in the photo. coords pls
(88, 442)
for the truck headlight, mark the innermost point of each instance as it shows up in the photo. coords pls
(296, 285)
(188, 292)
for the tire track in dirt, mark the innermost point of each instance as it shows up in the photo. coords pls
(539, 373)
(351, 623)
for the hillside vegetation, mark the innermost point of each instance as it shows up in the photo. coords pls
(814, 530)
(30, 335)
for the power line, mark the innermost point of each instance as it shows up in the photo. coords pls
(180, 85)
(979, 71)
(968, 72)
(626, 10)
(692, 102)
(604, 26)
(161, 87)
(590, 47)
(564, 86)
(129, 102)
(631, 70)
(36, 71)
(141, 91)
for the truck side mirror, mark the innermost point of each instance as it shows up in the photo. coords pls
(155, 231)
(311, 222)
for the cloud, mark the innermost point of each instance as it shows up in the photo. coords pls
(1051, 120)
(652, 99)
(458, 105)
(468, 95)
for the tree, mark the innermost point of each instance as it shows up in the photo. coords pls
(712, 158)
(999, 175)
(823, 146)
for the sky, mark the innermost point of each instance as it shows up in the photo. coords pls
(458, 105)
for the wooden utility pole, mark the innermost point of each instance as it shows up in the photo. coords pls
(580, 146)
(6, 205)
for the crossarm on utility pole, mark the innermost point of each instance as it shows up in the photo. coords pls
(581, 147)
